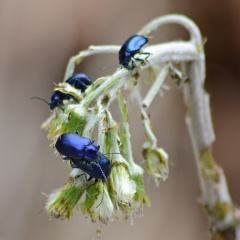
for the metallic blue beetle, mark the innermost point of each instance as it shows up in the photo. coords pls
(73, 146)
(57, 98)
(131, 47)
(80, 81)
(99, 169)
(83, 154)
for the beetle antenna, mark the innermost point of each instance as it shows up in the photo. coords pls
(102, 172)
(102, 183)
(31, 98)
(102, 196)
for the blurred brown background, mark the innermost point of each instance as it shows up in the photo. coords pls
(36, 40)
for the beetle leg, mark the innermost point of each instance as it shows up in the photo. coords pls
(142, 60)
(73, 165)
(89, 179)
(60, 107)
(133, 63)
(139, 59)
(83, 174)
(146, 53)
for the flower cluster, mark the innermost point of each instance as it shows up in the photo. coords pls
(89, 113)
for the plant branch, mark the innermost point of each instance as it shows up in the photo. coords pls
(223, 215)
(215, 194)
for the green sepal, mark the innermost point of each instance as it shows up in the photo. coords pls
(61, 203)
(156, 163)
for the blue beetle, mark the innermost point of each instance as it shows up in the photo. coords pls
(79, 81)
(57, 98)
(99, 169)
(131, 47)
(73, 146)
(83, 154)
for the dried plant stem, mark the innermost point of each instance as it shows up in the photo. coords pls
(223, 215)
(215, 195)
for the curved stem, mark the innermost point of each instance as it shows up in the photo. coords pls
(155, 87)
(161, 53)
(215, 194)
(195, 34)
(214, 188)
(92, 50)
